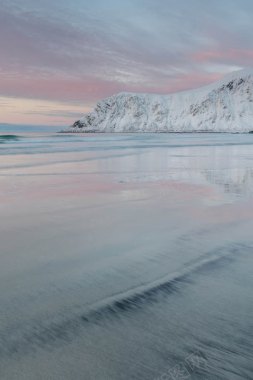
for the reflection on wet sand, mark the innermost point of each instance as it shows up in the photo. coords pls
(124, 255)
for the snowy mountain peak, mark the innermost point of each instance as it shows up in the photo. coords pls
(224, 106)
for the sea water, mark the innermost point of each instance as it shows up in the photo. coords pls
(126, 256)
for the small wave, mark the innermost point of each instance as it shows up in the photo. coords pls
(6, 138)
(64, 328)
(145, 294)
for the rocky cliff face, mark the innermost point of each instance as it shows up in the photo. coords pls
(225, 106)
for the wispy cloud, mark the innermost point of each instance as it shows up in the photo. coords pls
(81, 51)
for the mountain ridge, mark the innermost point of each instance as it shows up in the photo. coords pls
(222, 106)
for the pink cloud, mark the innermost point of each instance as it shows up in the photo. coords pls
(185, 82)
(234, 56)
(56, 88)
(91, 90)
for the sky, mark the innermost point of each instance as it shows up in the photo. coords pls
(59, 57)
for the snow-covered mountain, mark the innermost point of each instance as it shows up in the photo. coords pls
(224, 106)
